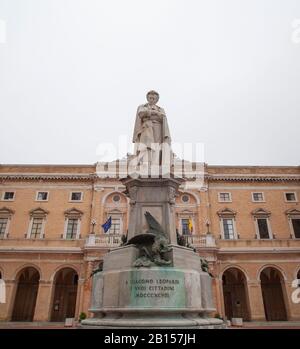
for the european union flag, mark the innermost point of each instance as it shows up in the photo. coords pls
(106, 226)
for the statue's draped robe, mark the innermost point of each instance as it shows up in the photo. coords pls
(154, 130)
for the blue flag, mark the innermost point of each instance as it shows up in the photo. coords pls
(106, 226)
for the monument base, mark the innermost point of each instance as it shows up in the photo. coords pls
(143, 321)
(156, 297)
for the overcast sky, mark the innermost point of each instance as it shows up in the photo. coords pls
(72, 74)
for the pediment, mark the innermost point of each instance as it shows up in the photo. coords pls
(226, 212)
(38, 212)
(73, 212)
(6, 212)
(293, 212)
(186, 212)
(114, 211)
(261, 212)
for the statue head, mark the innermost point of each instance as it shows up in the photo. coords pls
(152, 97)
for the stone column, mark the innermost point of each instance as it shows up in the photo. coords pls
(257, 311)
(86, 288)
(79, 298)
(43, 301)
(218, 288)
(7, 308)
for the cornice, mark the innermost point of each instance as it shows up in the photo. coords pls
(252, 178)
(47, 176)
(92, 177)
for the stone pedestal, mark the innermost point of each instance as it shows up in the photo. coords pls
(157, 196)
(177, 295)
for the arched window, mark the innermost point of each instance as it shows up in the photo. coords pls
(187, 214)
(116, 206)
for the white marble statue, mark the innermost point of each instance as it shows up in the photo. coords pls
(151, 131)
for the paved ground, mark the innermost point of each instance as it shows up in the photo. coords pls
(34, 325)
(273, 325)
(61, 325)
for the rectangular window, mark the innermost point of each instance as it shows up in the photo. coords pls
(290, 197)
(72, 228)
(263, 230)
(42, 196)
(36, 228)
(185, 226)
(224, 197)
(258, 197)
(228, 228)
(9, 195)
(115, 226)
(76, 196)
(3, 225)
(296, 227)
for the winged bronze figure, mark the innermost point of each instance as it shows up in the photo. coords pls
(152, 245)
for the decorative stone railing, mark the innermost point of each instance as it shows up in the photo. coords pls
(109, 240)
(201, 240)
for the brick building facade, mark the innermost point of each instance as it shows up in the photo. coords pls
(245, 222)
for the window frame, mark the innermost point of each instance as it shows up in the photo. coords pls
(77, 233)
(37, 213)
(271, 236)
(258, 192)
(40, 236)
(188, 198)
(191, 217)
(6, 227)
(113, 224)
(41, 191)
(235, 235)
(72, 200)
(6, 213)
(292, 227)
(29, 231)
(115, 214)
(224, 192)
(292, 214)
(8, 191)
(72, 213)
(116, 202)
(290, 192)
